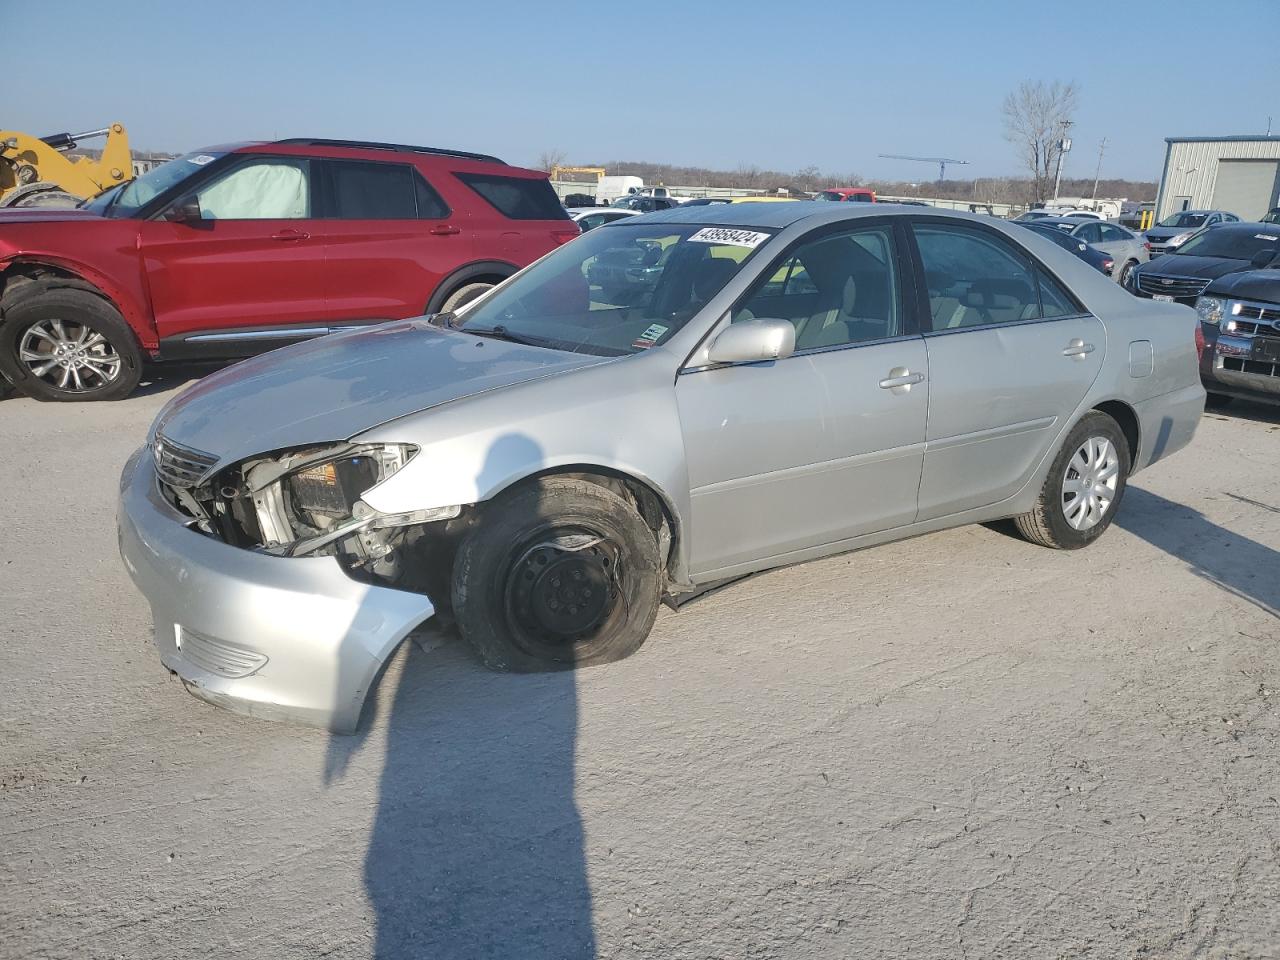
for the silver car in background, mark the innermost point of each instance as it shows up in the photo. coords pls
(1125, 247)
(656, 407)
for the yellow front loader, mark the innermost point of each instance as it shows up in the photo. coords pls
(36, 171)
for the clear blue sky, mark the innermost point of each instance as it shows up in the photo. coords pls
(776, 85)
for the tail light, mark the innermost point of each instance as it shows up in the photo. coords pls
(1147, 245)
(1200, 344)
(1108, 265)
(561, 237)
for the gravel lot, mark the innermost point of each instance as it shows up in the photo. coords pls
(958, 746)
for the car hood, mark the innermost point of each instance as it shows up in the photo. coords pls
(1261, 285)
(334, 387)
(1161, 234)
(1182, 265)
(37, 215)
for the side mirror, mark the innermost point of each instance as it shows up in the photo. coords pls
(1262, 258)
(184, 210)
(751, 341)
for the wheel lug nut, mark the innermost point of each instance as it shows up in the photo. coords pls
(555, 581)
(577, 574)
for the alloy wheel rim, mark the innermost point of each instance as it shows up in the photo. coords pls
(1090, 484)
(70, 356)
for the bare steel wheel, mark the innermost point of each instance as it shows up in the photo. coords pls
(1089, 486)
(69, 344)
(1083, 488)
(71, 356)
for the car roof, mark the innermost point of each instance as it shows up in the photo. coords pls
(620, 210)
(779, 215)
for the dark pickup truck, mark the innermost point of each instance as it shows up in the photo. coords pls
(1240, 324)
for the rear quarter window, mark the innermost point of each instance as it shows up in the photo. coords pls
(516, 198)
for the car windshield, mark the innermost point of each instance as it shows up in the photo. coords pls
(131, 197)
(1184, 220)
(1232, 244)
(829, 195)
(616, 291)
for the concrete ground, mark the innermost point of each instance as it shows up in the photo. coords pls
(958, 746)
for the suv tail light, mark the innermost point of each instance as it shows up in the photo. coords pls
(1200, 344)
(561, 237)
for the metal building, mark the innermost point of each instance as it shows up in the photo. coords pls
(1238, 174)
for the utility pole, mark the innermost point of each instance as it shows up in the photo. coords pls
(1102, 147)
(1064, 144)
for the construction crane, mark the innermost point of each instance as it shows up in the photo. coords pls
(940, 161)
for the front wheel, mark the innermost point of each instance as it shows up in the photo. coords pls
(68, 344)
(1126, 275)
(559, 573)
(1084, 487)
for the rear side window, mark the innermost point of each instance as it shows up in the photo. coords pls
(974, 279)
(365, 190)
(516, 198)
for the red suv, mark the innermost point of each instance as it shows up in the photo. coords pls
(237, 249)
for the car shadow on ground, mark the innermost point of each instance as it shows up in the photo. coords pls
(1236, 564)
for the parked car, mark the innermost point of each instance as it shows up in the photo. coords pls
(588, 218)
(229, 251)
(1217, 252)
(704, 201)
(1125, 247)
(848, 195)
(796, 381)
(1240, 324)
(1177, 228)
(1043, 213)
(1104, 263)
(643, 203)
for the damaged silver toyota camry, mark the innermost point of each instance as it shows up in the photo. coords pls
(663, 404)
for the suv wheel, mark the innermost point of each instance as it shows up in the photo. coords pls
(69, 344)
(558, 574)
(1084, 487)
(463, 295)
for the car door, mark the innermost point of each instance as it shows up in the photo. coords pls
(826, 444)
(1011, 355)
(254, 260)
(391, 239)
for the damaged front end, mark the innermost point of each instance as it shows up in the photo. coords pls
(308, 503)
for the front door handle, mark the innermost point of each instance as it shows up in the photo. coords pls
(290, 234)
(444, 230)
(900, 380)
(1078, 349)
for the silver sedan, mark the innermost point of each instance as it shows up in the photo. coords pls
(662, 405)
(1125, 247)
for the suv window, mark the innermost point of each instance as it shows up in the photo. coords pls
(974, 278)
(368, 190)
(517, 198)
(271, 188)
(836, 290)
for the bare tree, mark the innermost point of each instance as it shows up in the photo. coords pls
(1035, 116)
(551, 158)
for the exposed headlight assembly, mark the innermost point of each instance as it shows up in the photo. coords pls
(1211, 309)
(308, 499)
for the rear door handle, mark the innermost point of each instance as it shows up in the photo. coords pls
(290, 234)
(444, 230)
(901, 379)
(1078, 349)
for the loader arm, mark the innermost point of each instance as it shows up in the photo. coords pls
(26, 160)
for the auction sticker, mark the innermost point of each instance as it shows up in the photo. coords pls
(649, 337)
(730, 237)
(201, 159)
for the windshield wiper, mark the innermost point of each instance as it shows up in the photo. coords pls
(500, 332)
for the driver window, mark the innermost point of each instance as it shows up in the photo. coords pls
(267, 189)
(838, 290)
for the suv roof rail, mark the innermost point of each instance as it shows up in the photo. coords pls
(398, 147)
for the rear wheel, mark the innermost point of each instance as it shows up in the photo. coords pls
(558, 574)
(68, 344)
(463, 295)
(1084, 487)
